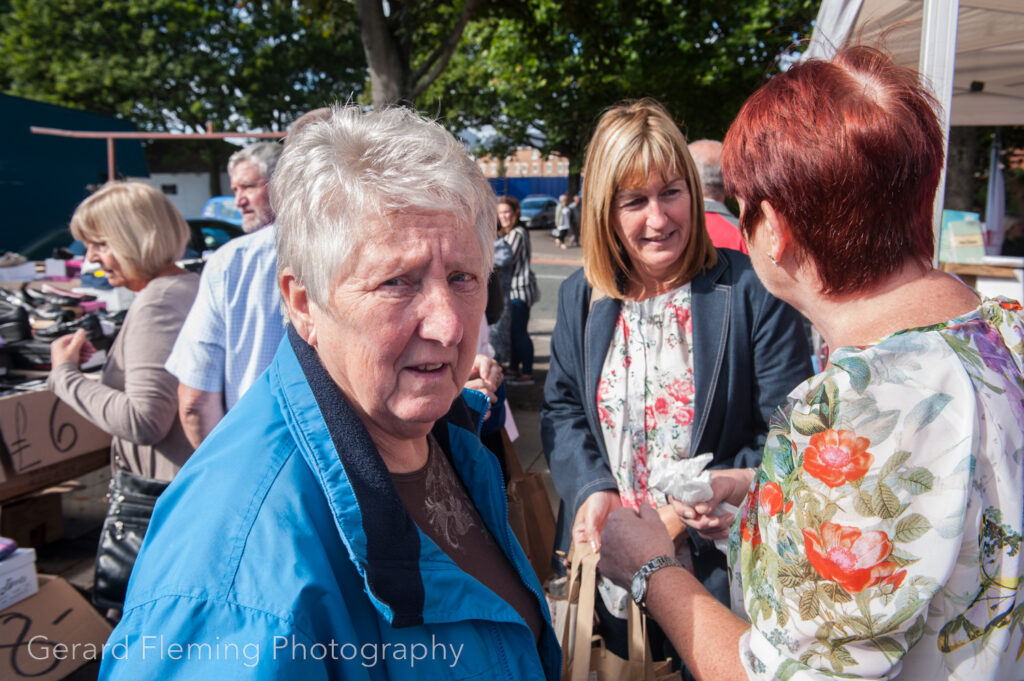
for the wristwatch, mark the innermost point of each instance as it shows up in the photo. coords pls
(638, 588)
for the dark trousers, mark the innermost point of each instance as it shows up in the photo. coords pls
(522, 345)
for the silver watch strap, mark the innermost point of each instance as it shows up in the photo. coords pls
(648, 569)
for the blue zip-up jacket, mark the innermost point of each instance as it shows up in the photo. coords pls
(282, 551)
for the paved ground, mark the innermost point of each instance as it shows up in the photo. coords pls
(83, 499)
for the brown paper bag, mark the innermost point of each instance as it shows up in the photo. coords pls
(584, 656)
(529, 512)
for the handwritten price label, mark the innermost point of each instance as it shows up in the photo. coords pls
(49, 635)
(39, 430)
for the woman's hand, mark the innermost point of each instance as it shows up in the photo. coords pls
(729, 486)
(592, 515)
(630, 539)
(74, 347)
(485, 377)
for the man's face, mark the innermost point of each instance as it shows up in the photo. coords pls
(252, 196)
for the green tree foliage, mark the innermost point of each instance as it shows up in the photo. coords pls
(540, 72)
(180, 63)
(406, 43)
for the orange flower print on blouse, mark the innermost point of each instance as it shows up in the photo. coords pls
(853, 560)
(750, 531)
(771, 499)
(837, 456)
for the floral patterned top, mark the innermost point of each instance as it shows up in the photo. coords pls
(882, 534)
(645, 401)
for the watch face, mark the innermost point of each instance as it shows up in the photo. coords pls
(638, 587)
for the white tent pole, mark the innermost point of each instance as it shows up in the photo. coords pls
(938, 52)
(995, 200)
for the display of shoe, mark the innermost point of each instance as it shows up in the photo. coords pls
(89, 322)
(521, 379)
(51, 313)
(116, 318)
(29, 354)
(14, 324)
(14, 300)
(52, 296)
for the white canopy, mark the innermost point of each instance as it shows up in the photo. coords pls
(972, 53)
(988, 66)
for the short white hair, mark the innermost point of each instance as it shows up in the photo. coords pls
(263, 155)
(351, 169)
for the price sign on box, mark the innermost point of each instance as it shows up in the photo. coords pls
(39, 430)
(49, 635)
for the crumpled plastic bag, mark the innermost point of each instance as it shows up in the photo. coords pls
(689, 482)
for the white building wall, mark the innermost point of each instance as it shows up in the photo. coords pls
(187, 191)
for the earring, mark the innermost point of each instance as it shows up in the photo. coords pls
(773, 260)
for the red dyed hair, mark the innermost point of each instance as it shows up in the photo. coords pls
(849, 152)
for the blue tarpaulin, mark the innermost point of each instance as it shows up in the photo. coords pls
(43, 178)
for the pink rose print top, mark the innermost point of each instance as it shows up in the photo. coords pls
(645, 401)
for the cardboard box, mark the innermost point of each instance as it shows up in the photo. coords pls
(39, 430)
(18, 577)
(961, 239)
(49, 635)
(34, 520)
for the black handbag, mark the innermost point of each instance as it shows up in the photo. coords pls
(132, 498)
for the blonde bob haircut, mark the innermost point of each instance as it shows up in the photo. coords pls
(633, 140)
(139, 224)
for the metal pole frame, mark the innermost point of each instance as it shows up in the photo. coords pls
(111, 136)
(937, 56)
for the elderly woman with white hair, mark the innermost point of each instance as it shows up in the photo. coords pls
(344, 521)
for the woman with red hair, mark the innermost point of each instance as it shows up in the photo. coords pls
(882, 534)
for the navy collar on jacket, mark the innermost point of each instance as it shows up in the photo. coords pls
(392, 538)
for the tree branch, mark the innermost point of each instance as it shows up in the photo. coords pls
(381, 51)
(427, 74)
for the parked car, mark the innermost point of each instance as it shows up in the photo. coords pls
(538, 212)
(205, 234)
(223, 208)
(209, 234)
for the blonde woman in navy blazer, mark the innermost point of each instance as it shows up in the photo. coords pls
(748, 348)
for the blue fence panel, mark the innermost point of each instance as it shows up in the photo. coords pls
(521, 187)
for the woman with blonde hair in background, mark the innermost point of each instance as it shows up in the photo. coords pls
(135, 234)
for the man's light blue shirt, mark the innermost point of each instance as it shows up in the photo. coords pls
(235, 325)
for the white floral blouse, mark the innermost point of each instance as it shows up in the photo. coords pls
(882, 534)
(645, 401)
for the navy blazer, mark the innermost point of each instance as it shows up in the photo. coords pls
(749, 351)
